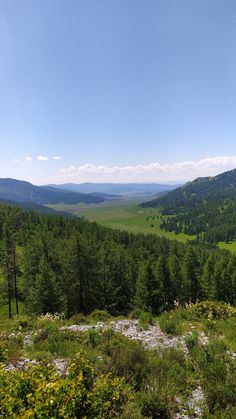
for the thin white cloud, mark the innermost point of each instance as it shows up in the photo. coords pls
(57, 158)
(15, 160)
(28, 158)
(153, 172)
(42, 158)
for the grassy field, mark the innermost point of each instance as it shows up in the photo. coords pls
(228, 246)
(125, 215)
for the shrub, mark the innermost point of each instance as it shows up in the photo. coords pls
(100, 315)
(3, 351)
(127, 359)
(192, 341)
(145, 319)
(135, 313)
(211, 310)
(25, 323)
(94, 338)
(219, 373)
(40, 392)
(170, 323)
(47, 330)
(79, 319)
(209, 325)
(64, 344)
(154, 406)
(168, 374)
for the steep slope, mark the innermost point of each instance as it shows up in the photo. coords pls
(206, 206)
(20, 191)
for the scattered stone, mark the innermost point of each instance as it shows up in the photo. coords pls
(194, 405)
(204, 340)
(21, 364)
(61, 366)
(28, 341)
(84, 328)
(151, 338)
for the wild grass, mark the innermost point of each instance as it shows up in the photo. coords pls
(126, 215)
(156, 378)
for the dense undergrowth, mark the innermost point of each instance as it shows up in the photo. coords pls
(110, 376)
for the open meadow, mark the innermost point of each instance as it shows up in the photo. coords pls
(124, 214)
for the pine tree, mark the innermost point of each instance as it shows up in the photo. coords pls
(208, 290)
(10, 266)
(141, 300)
(45, 295)
(190, 273)
(175, 278)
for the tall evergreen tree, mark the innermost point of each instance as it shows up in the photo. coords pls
(141, 300)
(10, 266)
(45, 295)
(208, 288)
(190, 273)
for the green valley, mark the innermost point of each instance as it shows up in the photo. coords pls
(125, 215)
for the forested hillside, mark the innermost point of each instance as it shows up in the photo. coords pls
(20, 191)
(73, 266)
(205, 207)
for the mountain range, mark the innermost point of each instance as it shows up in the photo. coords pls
(116, 188)
(21, 191)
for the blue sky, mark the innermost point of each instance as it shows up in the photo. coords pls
(119, 90)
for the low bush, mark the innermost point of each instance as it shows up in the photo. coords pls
(94, 338)
(219, 377)
(79, 319)
(64, 344)
(40, 392)
(170, 323)
(135, 313)
(192, 341)
(211, 310)
(145, 319)
(3, 351)
(126, 359)
(100, 315)
(154, 406)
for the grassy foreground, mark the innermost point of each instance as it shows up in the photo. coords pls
(107, 375)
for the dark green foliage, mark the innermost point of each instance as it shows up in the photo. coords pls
(72, 266)
(192, 341)
(171, 323)
(127, 359)
(153, 406)
(100, 315)
(205, 207)
(145, 319)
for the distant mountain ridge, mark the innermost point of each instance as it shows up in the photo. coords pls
(205, 207)
(116, 188)
(21, 191)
